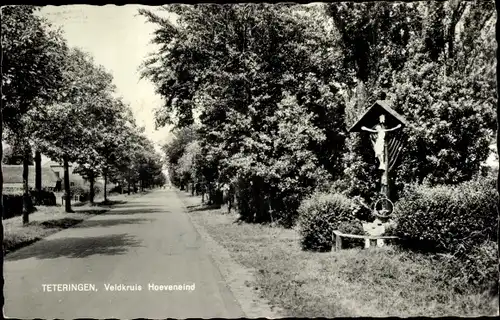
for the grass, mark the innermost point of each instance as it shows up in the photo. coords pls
(377, 283)
(47, 220)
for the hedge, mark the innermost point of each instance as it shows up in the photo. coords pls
(12, 205)
(447, 218)
(43, 197)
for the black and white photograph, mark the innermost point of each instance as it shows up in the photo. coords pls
(249, 160)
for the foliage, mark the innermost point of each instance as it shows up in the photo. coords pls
(93, 128)
(187, 168)
(181, 161)
(450, 219)
(321, 214)
(14, 155)
(32, 56)
(43, 197)
(436, 65)
(73, 119)
(254, 72)
(476, 270)
(13, 205)
(449, 99)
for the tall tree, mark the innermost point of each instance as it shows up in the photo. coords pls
(70, 134)
(435, 61)
(449, 94)
(31, 74)
(243, 62)
(2, 281)
(14, 156)
(373, 41)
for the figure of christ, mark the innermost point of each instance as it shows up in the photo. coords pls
(379, 143)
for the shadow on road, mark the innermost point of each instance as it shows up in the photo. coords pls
(203, 208)
(58, 223)
(115, 244)
(110, 203)
(143, 205)
(95, 211)
(110, 223)
(137, 210)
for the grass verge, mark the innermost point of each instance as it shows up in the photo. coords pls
(381, 282)
(47, 220)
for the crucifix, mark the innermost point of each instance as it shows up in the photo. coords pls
(381, 120)
(379, 143)
(381, 153)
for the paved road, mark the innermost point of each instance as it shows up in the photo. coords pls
(148, 240)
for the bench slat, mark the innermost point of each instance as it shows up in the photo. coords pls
(357, 236)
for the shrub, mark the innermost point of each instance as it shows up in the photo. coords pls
(474, 271)
(321, 214)
(43, 197)
(449, 218)
(116, 189)
(98, 188)
(76, 190)
(13, 205)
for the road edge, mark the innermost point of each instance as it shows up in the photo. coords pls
(237, 276)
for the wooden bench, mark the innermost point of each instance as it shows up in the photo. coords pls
(337, 236)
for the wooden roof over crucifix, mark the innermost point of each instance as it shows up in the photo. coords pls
(371, 117)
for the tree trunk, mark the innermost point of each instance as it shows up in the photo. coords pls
(1, 208)
(38, 171)
(67, 188)
(91, 191)
(128, 187)
(105, 184)
(26, 191)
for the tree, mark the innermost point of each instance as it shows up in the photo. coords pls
(112, 146)
(425, 57)
(449, 95)
(241, 58)
(14, 156)
(2, 281)
(31, 76)
(250, 70)
(175, 149)
(187, 164)
(373, 45)
(85, 100)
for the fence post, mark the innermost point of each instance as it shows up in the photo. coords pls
(338, 243)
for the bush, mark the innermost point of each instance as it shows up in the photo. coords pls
(13, 205)
(116, 189)
(77, 190)
(98, 188)
(475, 271)
(451, 219)
(321, 214)
(43, 197)
(83, 192)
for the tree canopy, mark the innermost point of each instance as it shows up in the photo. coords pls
(57, 100)
(271, 90)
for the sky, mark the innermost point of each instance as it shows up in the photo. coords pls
(119, 40)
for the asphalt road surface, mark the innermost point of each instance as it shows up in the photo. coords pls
(147, 242)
